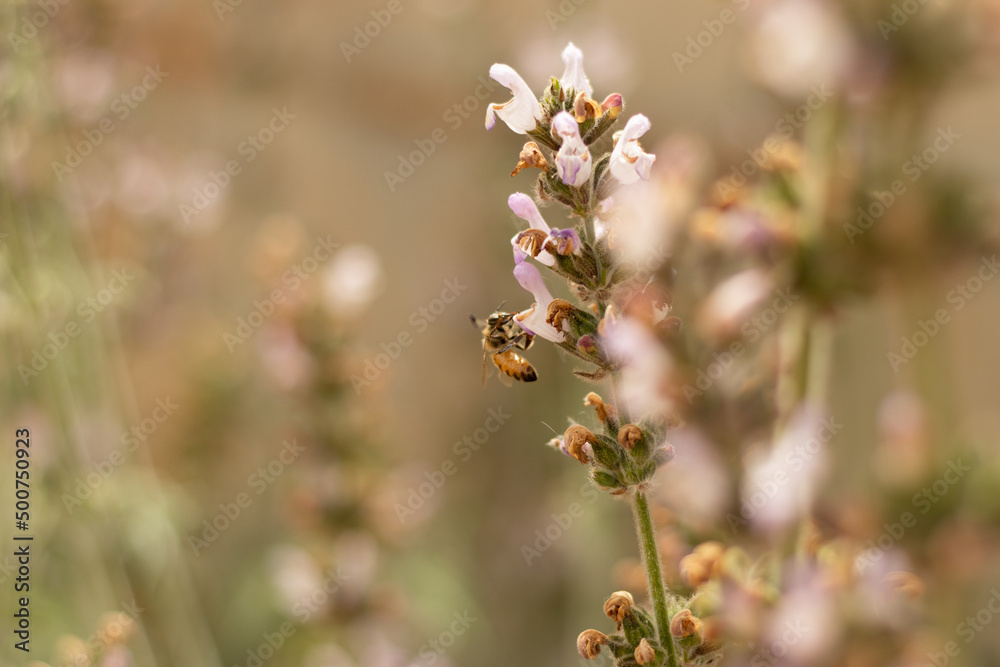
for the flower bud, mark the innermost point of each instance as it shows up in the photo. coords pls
(115, 627)
(589, 643)
(604, 411)
(72, 650)
(684, 624)
(644, 653)
(587, 344)
(575, 438)
(629, 436)
(694, 570)
(618, 606)
(613, 104)
(530, 156)
(608, 482)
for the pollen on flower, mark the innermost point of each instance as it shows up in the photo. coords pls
(531, 241)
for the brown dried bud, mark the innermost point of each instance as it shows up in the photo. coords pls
(575, 438)
(530, 156)
(72, 650)
(704, 563)
(694, 570)
(531, 241)
(618, 606)
(685, 624)
(604, 411)
(589, 643)
(629, 436)
(559, 310)
(644, 653)
(584, 108)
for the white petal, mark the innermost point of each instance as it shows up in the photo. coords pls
(533, 318)
(629, 162)
(573, 163)
(524, 207)
(574, 76)
(521, 113)
(565, 125)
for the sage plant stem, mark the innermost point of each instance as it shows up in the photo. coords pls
(654, 576)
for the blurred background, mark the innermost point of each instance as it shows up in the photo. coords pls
(240, 245)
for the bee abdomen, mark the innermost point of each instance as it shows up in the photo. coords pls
(515, 366)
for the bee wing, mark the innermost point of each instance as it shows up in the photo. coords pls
(484, 362)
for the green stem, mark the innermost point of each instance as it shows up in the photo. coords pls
(654, 576)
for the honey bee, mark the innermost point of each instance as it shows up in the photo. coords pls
(501, 336)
